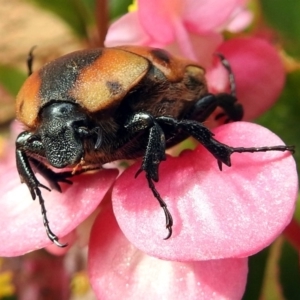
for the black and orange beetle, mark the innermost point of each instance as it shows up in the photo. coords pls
(95, 106)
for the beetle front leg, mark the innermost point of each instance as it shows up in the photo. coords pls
(205, 106)
(52, 177)
(154, 155)
(27, 176)
(228, 102)
(201, 133)
(220, 151)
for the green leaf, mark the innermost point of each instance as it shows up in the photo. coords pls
(118, 8)
(12, 79)
(297, 210)
(257, 265)
(271, 289)
(283, 15)
(289, 272)
(283, 118)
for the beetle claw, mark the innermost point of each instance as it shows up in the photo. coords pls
(220, 165)
(139, 171)
(57, 243)
(53, 238)
(170, 232)
(44, 187)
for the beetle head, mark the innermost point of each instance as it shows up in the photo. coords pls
(60, 132)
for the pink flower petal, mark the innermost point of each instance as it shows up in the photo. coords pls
(206, 46)
(217, 77)
(258, 70)
(118, 270)
(199, 48)
(156, 18)
(204, 16)
(233, 213)
(241, 20)
(126, 31)
(199, 16)
(21, 218)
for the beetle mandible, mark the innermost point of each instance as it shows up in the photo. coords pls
(96, 106)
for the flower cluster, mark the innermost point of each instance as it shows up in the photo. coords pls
(220, 218)
(194, 29)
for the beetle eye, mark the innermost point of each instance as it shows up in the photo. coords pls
(63, 110)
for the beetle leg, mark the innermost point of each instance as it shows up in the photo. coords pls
(205, 106)
(156, 146)
(232, 109)
(201, 133)
(231, 78)
(52, 177)
(220, 151)
(169, 219)
(155, 153)
(27, 176)
(228, 102)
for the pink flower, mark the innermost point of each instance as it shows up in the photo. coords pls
(220, 218)
(258, 70)
(118, 270)
(164, 23)
(217, 210)
(21, 216)
(193, 29)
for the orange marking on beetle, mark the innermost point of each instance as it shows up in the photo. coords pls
(174, 68)
(96, 87)
(28, 102)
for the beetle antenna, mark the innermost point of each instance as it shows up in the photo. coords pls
(50, 234)
(30, 58)
(227, 66)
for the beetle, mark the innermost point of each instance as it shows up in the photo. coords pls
(95, 106)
